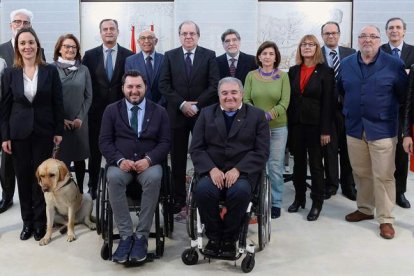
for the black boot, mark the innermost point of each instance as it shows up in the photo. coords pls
(315, 211)
(296, 204)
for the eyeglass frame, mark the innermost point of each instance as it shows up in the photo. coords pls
(191, 34)
(68, 47)
(18, 22)
(365, 37)
(149, 38)
(310, 44)
(328, 34)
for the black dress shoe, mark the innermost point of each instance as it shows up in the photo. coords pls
(275, 212)
(315, 211)
(402, 201)
(212, 248)
(39, 233)
(228, 249)
(26, 233)
(295, 206)
(330, 191)
(5, 204)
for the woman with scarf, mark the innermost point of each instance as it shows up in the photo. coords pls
(77, 98)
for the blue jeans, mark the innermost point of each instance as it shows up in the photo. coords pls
(275, 164)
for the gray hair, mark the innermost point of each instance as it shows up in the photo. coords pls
(229, 32)
(394, 19)
(21, 11)
(230, 80)
(372, 26)
(189, 22)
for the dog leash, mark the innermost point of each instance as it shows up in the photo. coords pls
(55, 151)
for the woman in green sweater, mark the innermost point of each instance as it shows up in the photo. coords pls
(268, 88)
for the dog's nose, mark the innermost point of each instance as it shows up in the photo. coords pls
(45, 189)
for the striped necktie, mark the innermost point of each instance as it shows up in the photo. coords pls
(335, 62)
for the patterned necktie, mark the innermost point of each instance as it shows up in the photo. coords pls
(150, 70)
(232, 67)
(395, 52)
(335, 62)
(109, 66)
(134, 118)
(188, 64)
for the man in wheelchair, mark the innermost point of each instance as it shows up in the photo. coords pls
(229, 149)
(134, 139)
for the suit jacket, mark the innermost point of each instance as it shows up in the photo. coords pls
(137, 62)
(371, 102)
(407, 53)
(104, 91)
(43, 117)
(245, 147)
(7, 53)
(201, 86)
(313, 106)
(118, 140)
(343, 52)
(245, 64)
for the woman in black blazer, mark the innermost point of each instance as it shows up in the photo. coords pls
(309, 118)
(31, 122)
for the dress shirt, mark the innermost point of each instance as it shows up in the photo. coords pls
(113, 53)
(236, 58)
(399, 47)
(141, 114)
(191, 56)
(30, 86)
(152, 55)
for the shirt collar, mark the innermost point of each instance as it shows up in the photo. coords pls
(115, 48)
(235, 57)
(192, 51)
(360, 61)
(222, 109)
(141, 105)
(399, 46)
(145, 55)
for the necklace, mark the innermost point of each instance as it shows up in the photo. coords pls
(265, 74)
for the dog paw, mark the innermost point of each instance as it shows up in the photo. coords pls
(71, 238)
(92, 226)
(44, 241)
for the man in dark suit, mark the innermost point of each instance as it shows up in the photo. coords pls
(395, 30)
(229, 149)
(106, 65)
(148, 62)
(18, 19)
(188, 81)
(135, 139)
(234, 63)
(331, 33)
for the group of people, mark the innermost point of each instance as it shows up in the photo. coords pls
(242, 111)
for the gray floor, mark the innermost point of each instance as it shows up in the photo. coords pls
(329, 246)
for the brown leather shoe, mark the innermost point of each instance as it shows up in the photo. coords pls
(387, 231)
(358, 216)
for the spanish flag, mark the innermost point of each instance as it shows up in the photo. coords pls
(133, 43)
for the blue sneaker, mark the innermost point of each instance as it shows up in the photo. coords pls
(122, 252)
(139, 250)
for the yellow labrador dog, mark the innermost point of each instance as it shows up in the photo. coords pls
(62, 196)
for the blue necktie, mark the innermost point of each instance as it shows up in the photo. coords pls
(109, 66)
(188, 64)
(395, 52)
(134, 118)
(150, 71)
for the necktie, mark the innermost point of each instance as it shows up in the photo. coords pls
(232, 67)
(109, 66)
(150, 70)
(335, 62)
(188, 64)
(134, 118)
(395, 52)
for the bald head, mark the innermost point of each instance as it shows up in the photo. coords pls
(147, 41)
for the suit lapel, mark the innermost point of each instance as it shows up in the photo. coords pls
(404, 52)
(124, 113)
(118, 64)
(219, 122)
(238, 121)
(100, 64)
(198, 59)
(20, 85)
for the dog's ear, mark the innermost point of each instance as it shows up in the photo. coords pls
(39, 180)
(63, 171)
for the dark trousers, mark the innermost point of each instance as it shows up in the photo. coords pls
(305, 140)
(179, 150)
(401, 164)
(27, 155)
(236, 200)
(7, 176)
(330, 158)
(95, 156)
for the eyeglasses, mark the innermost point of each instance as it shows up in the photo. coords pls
(331, 34)
(143, 38)
(20, 22)
(228, 41)
(67, 47)
(310, 44)
(365, 37)
(184, 34)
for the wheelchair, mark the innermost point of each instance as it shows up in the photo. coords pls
(260, 206)
(104, 215)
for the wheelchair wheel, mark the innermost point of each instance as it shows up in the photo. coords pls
(189, 256)
(191, 213)
(264, 217)
(98, 201)
(105, 251)
(248, 263)
(159, 249)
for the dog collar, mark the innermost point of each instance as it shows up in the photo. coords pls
(70, 180)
